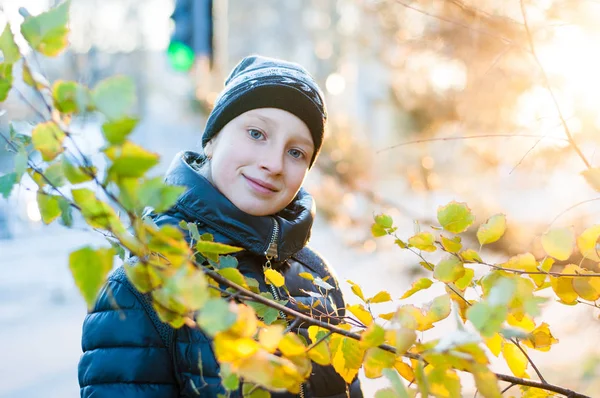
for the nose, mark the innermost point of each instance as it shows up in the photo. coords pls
(271, 160)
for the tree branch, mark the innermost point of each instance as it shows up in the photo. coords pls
(386, 347)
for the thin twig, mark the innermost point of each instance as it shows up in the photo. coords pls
(468, 138)
(507, 388)
(571, 208)
(457, 23)
(549, 87)
(535, 368)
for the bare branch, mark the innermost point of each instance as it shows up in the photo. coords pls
(468, 138)
(537, 371)
(549, 87)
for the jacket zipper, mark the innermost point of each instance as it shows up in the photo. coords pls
(271, 253)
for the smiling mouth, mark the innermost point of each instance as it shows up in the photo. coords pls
(259, 186)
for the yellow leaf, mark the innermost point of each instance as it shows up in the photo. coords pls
(387, 316)
(525, 262)
(231, 348)
(494, 343)
(48, 139)
(515, 359)
(451, 245)
(588, 288)
(306, 275)
(381, 297)
(359, 311)
(401, 339)
(270, 336)
(470, 256)
(421, 284)
(319, 353)
(563, 285)
(532, 392)
(559, 243)
(438, 309)
(423, 241)
(291, 345)
(540, 339)
(405, 370)
(356, 290)
(524, 322)
(486, 382)
(455, 217)
(587, 242)
(464, 281)
(492, 230)
(246, 323)
(273, 277)
(443, 383)
(346, 354)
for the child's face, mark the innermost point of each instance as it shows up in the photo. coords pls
(260, 158)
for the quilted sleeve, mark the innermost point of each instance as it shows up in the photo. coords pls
(123, 353)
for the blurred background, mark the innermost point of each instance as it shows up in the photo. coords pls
(429, 101)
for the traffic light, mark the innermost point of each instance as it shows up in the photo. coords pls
(193, 34)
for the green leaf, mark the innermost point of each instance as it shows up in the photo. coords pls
(268, 314)
(492, 230)
(376, 229)
(384, 220)
(449, 269)
(230, 380)
(7, 182)
(234, 275)
(48, 139)
(96, 213)
(116, 131)
(49, 207)
(353, 353)
(373, 336)
(154, 193)
(9, 48)
(89, 268)
(227, 262)
(66, 212)
(54, 174)
(455, 217)
(397, 385)
(421, 284)
(77, 174)
(207, 247)
(6, 80)
(70, 97)
(115, 97)
(592, 176)
(386, 393)
(376, 360)
(559, 243)
(215, 316)
(423, 241)
(21, 160)
(47, 32)
(487, 319)
(130, 160)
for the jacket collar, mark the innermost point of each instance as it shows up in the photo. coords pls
(204, 203)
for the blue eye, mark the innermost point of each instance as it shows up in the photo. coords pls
(296, 153)
(256, 134)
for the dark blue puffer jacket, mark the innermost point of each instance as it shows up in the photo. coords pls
(128, 353)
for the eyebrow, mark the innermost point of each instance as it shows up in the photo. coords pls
(299, 138)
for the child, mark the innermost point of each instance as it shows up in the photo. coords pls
(260, 140)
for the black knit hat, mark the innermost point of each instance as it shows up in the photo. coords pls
(261, 82)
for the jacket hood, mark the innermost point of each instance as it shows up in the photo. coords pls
(204, 203)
